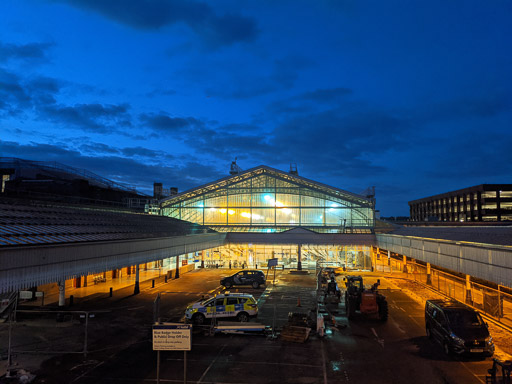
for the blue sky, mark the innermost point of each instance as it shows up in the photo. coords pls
(412, 97)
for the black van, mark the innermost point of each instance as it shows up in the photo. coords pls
(457, 327)
(251, 277)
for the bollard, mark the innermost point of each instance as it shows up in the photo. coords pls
(110, 292)
(71, 300)
(153, 283)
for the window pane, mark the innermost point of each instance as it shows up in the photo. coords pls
(239, 200)
(263, 200)
(263, 216)
(287, 215)
(312, 216)
(215, 216)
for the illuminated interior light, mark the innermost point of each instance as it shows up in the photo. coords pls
(245, 214)
(231, 212)
(223, 210)
(334, 205)
(287, 211)
(267, 197)
(256, 216)
(279, 204)
(201, 205)
(212, 209)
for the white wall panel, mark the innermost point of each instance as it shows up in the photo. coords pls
(492, 263)
(24, 267)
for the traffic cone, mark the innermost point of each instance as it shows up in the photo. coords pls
(298, 302)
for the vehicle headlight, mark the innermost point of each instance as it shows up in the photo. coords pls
(488, 340)
(456, 339)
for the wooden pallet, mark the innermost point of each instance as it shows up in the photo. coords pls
(295, 334)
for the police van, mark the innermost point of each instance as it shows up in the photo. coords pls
(241, 306)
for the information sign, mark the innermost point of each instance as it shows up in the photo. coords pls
(272, 262)
(172, 337)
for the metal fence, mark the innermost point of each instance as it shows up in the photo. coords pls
(493, 302)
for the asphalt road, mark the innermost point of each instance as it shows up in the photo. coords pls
(363, 350)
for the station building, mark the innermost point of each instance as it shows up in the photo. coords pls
(268, 213)
(485, 202)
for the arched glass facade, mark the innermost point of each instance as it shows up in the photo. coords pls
(267, 200)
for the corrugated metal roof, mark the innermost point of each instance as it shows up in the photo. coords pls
(22, 223)
(485, 235)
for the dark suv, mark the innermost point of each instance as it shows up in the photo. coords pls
(457, 327)
(245, 277)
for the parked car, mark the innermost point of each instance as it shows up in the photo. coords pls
(240, 306)
(250, 277)
(458, 328)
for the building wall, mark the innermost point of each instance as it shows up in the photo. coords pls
(491, 263)
(486, 202)
(268, 204)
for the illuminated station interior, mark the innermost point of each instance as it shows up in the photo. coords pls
(263, 200)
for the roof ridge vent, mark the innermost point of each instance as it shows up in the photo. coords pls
(293, 169)
(235, 169)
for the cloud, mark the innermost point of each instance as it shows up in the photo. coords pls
(131, 171)
(163, 123)
(24, 52)
(25, 94)
(245, 83)
(101, 118)
(214, 30)
(325, 95)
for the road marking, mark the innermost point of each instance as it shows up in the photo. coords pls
(412, 318)
(323, 362)
(379, 340)
(257, 362)
(479, 379)
(211, 364)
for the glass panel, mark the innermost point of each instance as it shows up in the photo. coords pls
(263, 200)
(308, 201)
(239, 200)
(197, 202)
(288, 200)
(239, 216)
(263, 181)
(489, 194)
(215, 216)
(263, 216)
(336, 216)
(312, 216)
(505, 194)
(194, 215)
(287, 215)
(218, 202)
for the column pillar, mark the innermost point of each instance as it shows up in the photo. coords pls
(177, 275)
(203, 253)
(429, 275)
(469, 299)
(299, 262)
(128, 271)
(136, 289)
(114, 273)
(78, 282)
(405, 264)
(62, 293)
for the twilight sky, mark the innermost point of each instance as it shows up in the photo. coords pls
(412, 97)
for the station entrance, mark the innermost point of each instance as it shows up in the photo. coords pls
(257, 255)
